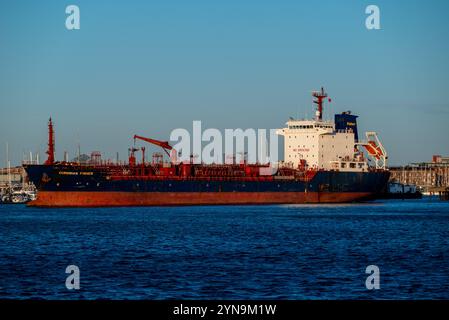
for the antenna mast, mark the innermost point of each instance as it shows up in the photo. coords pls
(319, 96)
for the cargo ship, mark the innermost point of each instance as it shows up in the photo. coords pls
(324, 162)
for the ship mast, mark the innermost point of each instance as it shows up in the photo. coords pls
(8, 165)
(319, 96)
(51, 144)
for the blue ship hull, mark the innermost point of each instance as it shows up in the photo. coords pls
(62, 185)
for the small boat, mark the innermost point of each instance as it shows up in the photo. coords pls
(17, 196)
(396, 190)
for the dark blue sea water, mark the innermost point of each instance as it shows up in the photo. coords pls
(257, 252)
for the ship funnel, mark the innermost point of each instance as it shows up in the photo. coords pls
(347, 122)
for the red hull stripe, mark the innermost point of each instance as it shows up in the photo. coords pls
(122, 199)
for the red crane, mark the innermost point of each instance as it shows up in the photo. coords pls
(163, 144)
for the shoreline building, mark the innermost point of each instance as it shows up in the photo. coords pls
(429, 176)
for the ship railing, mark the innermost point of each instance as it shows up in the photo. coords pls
(191, 178)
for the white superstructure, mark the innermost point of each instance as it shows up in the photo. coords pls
(316, 144)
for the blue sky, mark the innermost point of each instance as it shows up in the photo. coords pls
(148, 67)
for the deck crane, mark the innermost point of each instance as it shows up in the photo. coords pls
(163, 144)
